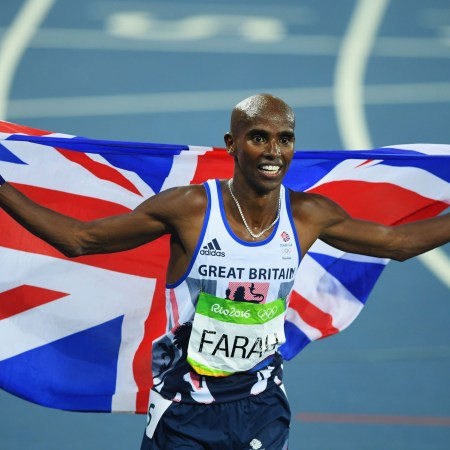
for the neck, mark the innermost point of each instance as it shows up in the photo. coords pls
(254, 197)
(257, 213)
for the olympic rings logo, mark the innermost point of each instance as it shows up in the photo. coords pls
(267, 314)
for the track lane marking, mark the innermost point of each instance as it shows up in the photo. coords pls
(351, 66)
(216, 100)
(15, 41)
(372, 419)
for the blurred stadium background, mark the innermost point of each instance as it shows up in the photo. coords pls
(359, 74)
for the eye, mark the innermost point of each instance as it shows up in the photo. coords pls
(258, 138)
(285, 140)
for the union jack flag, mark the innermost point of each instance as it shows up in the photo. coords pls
(76, 334)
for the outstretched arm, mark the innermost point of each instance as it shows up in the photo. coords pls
(335, 227)
(150, 220)
(399, 242)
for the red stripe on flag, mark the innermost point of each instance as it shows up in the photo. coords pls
(380, 202)
(312, 315)
(365, 162)
(102, 171)
(154, 328)
(7, 127)
(213, 164)
(174, 304)
(77, 206)
(149, 261)
(146, 261)
(23, 298)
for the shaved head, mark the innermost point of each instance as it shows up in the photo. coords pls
(261, 140)
(260, 106)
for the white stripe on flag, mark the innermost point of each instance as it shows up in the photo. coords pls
(327, 293)
(311, 332)
(411, 178)
(47, 168)
(427, 149)
(95, 296)
(325, 249)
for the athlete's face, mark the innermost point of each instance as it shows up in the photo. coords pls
(263, 147)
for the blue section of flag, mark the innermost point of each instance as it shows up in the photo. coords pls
(86, 375)
(305, 173)
(131, 156)
(6, 155)
(309, 167)
(103, 147)
(357, 276)
(296, 341)
(154, 175)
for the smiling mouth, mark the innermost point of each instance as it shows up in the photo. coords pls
(270, 170)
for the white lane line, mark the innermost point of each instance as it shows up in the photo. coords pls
(349, 99)
(439, 264)
(219, 100)
(311, 45)
(15, 42)
(169, 102)
(350, 70)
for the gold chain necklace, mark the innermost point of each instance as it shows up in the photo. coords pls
(253, 235)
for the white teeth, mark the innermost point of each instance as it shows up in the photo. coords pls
(270, 168)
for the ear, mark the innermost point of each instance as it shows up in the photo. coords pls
(229, 142)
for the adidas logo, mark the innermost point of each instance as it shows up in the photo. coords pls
(212, 249)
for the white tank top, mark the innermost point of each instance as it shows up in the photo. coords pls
(228, 267)
(225, 266)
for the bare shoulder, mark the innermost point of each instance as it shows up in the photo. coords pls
(176, 203)
(193, 195)
(313, 214)
(315, 209)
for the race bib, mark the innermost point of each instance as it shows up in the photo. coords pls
(229, 336)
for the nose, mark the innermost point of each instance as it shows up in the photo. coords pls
(274, 147)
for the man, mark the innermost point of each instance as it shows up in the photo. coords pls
(217, 371)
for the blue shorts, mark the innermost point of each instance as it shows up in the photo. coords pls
(257, 422)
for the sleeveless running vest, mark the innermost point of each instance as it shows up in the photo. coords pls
(226, 313)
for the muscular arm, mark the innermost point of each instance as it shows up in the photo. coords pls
(153, 218)
(330, 223)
